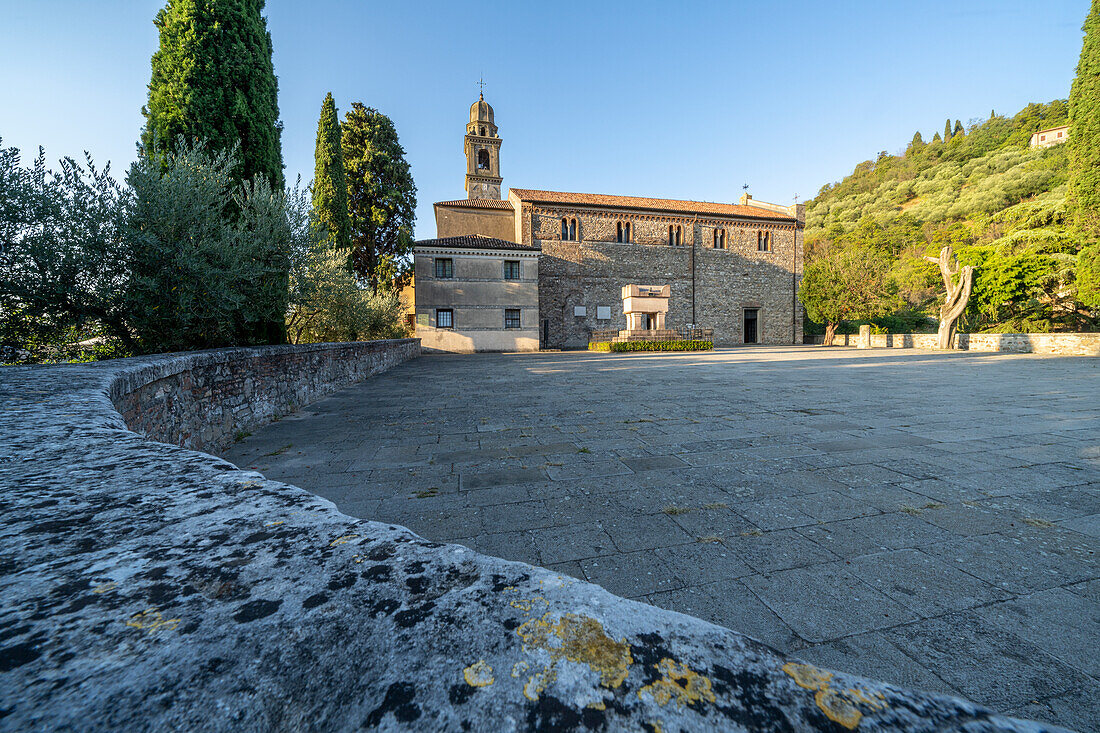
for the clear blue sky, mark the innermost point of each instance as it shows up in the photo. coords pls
(669, 99)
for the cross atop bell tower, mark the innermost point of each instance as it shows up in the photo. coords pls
(482, 152)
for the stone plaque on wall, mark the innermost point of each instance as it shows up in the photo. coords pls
(580, 311)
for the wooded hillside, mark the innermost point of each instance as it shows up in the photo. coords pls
(1000, 204)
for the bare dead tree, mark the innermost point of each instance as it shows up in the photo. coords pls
(958, 293)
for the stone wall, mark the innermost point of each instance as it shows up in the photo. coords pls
(1064, 344)
(148, 587)
(201, 400)
(591, 272)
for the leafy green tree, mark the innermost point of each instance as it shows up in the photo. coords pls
(198, 278)
(330, 183)
(1084, 140)
(1088, 277)
(326, 302)
(62, 258)
(947, 130)
(846, 283)
(916, 145)
(213, 80)
(381, 198)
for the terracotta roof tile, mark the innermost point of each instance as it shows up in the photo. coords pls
(637, 202)
(474, 241)
(477, 204)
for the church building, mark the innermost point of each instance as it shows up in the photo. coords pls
(731, 267)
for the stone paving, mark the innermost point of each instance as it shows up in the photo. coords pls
(928, 519)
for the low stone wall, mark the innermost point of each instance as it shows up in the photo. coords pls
(149, 587)
(202, 399)
(1063, 344)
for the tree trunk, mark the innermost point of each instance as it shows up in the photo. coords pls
(958, 293)
(830, 333)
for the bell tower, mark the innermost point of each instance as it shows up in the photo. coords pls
(482, 153)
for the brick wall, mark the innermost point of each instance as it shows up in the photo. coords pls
(202, 399)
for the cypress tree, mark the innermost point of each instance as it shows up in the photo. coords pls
(936, 138)
(330, 184)
(947, 130)
(213, 79)
(1084, 133)
(959, 129)
(381, 198)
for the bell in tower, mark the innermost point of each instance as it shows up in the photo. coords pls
(482, 153)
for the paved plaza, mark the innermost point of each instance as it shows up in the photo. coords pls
(927, 519)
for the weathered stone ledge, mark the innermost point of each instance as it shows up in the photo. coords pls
(146, 586)
(1059, 344)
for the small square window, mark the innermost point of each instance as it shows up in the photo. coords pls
(444, 267)
(511, 269)
(444, 318)
(511, 317)
(603, 313)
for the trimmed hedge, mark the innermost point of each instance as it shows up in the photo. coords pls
(627, 346)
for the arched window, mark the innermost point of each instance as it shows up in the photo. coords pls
(619, 232)
(483, 159)
(572, 230)
(719, 238)
(626, 232)
(622, 231)
(763, 241)
(564, 230)
(481, 132)
(675, 235)
(671, 236)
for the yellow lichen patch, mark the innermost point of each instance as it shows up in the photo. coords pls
(150, 620)
(478, 674)
(680, 682)
(837, 709)
(343, 540)
(537, 683)
(276, 523)
(527, 604)
(519, 668)
(656, 726)
(580, 639)
(104, 587)
(598, 705)
(875, 700)
(807, 675)
(840, 706)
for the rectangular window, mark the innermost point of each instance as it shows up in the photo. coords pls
(511, 317)
(444, 267)
(511, 269)
(444, 318)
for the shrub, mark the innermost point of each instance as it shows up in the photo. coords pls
(208, 259)
(630, 346)
(182, 259)
(326, 301)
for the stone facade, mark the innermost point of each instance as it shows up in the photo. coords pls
(478, 298)
(734, 268)
(1050, 137)
(711, 287)
(201, 400)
